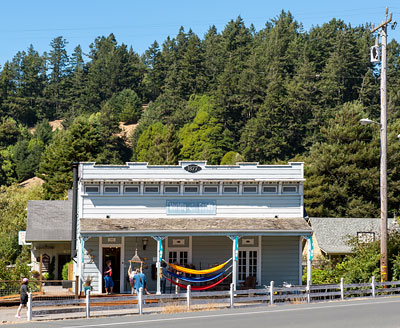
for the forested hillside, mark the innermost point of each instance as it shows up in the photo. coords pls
(273, 95)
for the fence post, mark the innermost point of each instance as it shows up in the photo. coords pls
(231, 295)
(29, 312)
(76, 287)
(271, 292)
(373, 286)
(188, 295)
(342, 288)
(140, 300)
(88, 303)
(308, 292)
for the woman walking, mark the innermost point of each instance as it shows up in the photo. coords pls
(24, 297)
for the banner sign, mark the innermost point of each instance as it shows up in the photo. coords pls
(198, 207)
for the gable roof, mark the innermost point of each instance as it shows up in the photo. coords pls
(332, 234)
(49, 220)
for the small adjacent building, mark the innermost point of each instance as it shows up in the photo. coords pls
(332, 235)
(192, 214)
(49, 232)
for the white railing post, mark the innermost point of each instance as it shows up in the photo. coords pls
(342, 288)
(188, 294)
(140, 300)
(88, 303)
(231, 295)
(308, 292)
(271, 292)
(373, 286)
(29, 312)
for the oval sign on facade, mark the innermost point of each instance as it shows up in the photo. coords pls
(193, 168)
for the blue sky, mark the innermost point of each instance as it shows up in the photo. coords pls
(139, 23)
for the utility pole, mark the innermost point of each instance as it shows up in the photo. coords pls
(383, 165)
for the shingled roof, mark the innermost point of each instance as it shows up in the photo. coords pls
(332, 234)
(195, 225)
(49, 220)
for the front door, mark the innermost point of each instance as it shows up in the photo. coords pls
(114, 255)
(247, 264)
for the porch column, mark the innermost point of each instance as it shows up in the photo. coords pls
(158, 263)
(310, 255)
(235, 253)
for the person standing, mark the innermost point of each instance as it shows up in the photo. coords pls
(24, 297)
(108, 281)
(164, 273)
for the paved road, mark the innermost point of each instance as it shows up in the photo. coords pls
(374, 313)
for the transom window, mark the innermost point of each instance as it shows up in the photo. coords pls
(171, 189)
(289, 189)
(111, 189)
(152, 189)
(191, 189)
(270, 189)
(210, 189)
(249, 189)
(230, 189)
(131, 189)
(92, 189)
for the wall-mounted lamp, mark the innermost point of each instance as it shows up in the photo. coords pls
(144, 241)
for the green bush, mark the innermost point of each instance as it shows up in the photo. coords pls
(64, 271)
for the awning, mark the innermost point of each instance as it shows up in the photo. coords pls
(195, 227)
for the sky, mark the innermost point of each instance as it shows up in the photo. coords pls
(139, 23)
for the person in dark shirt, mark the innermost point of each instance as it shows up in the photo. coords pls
(24, 297)
(108, 281)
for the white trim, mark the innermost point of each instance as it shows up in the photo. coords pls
(178, 249)
(121, 262)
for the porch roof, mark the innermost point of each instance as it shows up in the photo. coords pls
(195, 226)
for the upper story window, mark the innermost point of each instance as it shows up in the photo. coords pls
(191, 189)
(289, 189)
(171, 189)
(270, 189)
(231, 189)
(111, 189)
(131, 189)
(210, 189)
(152, 189)
(249, 189)
(92, 189)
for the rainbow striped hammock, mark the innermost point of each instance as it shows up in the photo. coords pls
(205, 279)
(199, 287)
(191, 271)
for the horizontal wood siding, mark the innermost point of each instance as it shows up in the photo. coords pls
(92, 269)
(147, 255)
(210, 251)
(280, 260)
(125, 207)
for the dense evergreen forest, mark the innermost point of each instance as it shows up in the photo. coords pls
(274, 95)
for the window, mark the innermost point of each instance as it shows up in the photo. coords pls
(247, 264)
(270, 189)
(249, 189)
(289, 189)
(92, 189)
(111, 189)
(230, 189)
(180, 257)
(171, 189)
(131, 189)
(151, 189)
(211, 189)
(191, 189)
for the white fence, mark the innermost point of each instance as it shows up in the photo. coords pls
(268, 295)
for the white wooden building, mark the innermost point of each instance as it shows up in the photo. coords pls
(193, 213)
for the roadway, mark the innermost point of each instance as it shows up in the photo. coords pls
(365, 313)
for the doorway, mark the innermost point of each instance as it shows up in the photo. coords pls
(114, 255)
(62, 259)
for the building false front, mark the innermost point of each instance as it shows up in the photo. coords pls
(193, 215)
